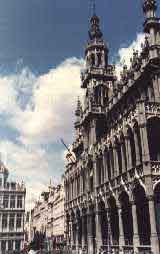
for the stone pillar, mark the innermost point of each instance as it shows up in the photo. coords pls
(121, 231)
(144, 142)
(136, 148)
(156, 89)
(128, 153)
(99, 240)
(154, 236)
(136, 242)
(77, 232)
(105, 167)
(84, 228)
(90, 233)
(71, 234)
(115, 161)
(123, 158)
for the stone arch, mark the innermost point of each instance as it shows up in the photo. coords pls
(157, 206)
(143, 217)
(153, 131)
(127, 218)
(114, 220)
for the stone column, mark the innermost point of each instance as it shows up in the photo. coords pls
(136, 242)
(144, 142)
(99, 240)
(154, 236)
(71, 234)
(116, 167)
(77, 232)
(84, 233)
(90, 233)
(136, 148)
(8, 218)
(123, 158)
(156, 89)
(105, 167)
(128, 153)
(121, 231)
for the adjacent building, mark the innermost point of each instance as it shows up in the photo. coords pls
(113, 186)
(47, 216)
(12, 211)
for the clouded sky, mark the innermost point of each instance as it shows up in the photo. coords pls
(41, 54)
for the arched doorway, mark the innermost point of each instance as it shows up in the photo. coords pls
(153, 130)
(127, 218)
(114, 220)
(143, 217)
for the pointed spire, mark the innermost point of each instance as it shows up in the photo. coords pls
(95, 31)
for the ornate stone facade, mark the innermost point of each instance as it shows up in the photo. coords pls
(113, 187)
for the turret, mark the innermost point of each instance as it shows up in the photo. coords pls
(96, 53)
(152, 27)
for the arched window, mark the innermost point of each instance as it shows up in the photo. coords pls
(114, 220)
(99, 56)
(143, 217)
(92, 59)
(127, 218)
(153, 130)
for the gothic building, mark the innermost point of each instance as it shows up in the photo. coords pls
(113, 186)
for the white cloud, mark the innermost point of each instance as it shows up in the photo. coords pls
(49, 112)
(125, 53)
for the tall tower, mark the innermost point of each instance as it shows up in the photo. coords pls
(152, 27)
(98, 79)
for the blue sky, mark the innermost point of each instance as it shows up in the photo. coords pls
(44, 33)
(41, 55)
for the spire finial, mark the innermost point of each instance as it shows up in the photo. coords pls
(93, 7)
